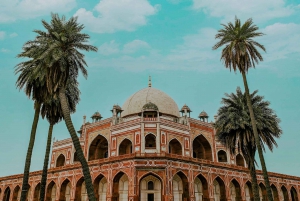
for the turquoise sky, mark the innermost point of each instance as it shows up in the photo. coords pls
(170, 40)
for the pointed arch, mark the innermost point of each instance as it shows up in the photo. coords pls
(239, 160)
(202, 148)
(219, 189)
(98, 148)
(6, 195)
(180, 186)
(150, 141)
(175, 147)
(294, 194)
(65, 191)
(274, 192)
(150, 187)
(100, 187)
(36, 193)
(120, 186)
(80, 190)
(284, 193)
(60, 161)
(16, 194)
(248, 191)
(222, 156)
(235, 190)
(125, 147)
(201, 188)
(262, 192)
(51, 191)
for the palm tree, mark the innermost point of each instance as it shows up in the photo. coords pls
(35, 89)
(59, 47)
(235, 131)
(240, 52)
(51, 109)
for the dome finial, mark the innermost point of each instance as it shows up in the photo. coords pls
(149, 84)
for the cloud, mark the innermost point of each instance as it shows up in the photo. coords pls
(2, 35)
(13, 10)
(116, 15)
(280, 40)
(134, 46)
(4, 50)
(259, 10)
(109, 48)
(12, 35)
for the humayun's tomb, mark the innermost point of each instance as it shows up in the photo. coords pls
(149, 150)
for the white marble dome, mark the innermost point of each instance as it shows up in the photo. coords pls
(134, 104)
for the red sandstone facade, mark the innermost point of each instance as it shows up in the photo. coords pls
(150, 155)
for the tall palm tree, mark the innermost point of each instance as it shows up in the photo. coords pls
(51, 109)
(240, 53)
(35, 89)
(234, 128)
(59, 47)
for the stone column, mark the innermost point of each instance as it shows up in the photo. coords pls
(142, 138)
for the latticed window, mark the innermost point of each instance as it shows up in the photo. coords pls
(150, 185)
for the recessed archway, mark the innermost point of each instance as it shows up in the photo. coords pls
(262, 192)
(284, 193)
(222, 156)
(274, 193)
(120, 187)
(239, 160)
(65, 191)
(98, 148)
(80, 191)
(100, 187)
(16, 194)
(175, 147)
(180, 187)
(60, 161)
(125, 147)
(248, 191)
(235, 191)
(150, 141)
(150, 188)
(219, 189)
(202, 148)
(294, 194)
(201, 189)
(51, 191)
(36, 194)
(6, 195)
(75, 157)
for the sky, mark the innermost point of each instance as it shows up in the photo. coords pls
(169, 40)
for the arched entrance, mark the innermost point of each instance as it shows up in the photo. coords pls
(125, 147)
(36, 194)
(284, 194)
(274, 193)
(201, 189)
(80, 192)
(150, 188)
(235, 191)
(98, 148)
(262, 192)
(150, 141)
(219, 189)
(60, 161)
(294, 194)
(16, 194)
(202, 148)
(6, 194)
(180, 187)
(65, 191)
(175, 147)
(51, 191)
(120, 187)
(222, 156)
(239, 159)
(248, 191)
(100, 188)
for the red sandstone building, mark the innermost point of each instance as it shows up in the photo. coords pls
(148, 151)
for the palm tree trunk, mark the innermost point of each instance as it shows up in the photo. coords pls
(257, 141)
(76, 143)
(37, 107)
(46, 161)
(254, 183)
